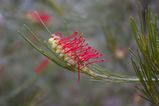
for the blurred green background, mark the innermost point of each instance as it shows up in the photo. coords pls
(105, 24)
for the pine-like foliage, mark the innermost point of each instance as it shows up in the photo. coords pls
(146, 59)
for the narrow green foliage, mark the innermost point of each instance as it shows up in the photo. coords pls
(146, 60)
(42, 46)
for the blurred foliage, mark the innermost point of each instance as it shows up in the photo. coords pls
(146, 60)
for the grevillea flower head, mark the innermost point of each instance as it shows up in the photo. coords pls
(74, 50)
(42, 16)
(41, 65)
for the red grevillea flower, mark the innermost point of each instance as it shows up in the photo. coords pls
(42, 16)
(74, 50)
(41, 66)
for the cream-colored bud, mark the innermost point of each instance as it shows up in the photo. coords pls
(50, 40)
(61, 55)
(68, 64)
(71, 61)
(58, 51)
(67, 58)
(65, 55)
(59, 46)
(53, 45)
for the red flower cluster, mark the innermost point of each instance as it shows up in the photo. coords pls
(75, 50)
(37, 18)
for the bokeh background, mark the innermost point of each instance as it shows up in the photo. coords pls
(105, 24)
